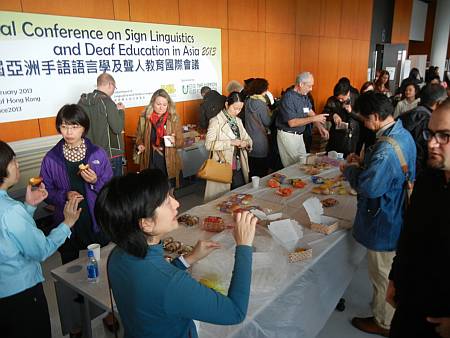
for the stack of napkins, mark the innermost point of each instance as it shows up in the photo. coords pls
(319, 222)
(264, 217)
(287, 232)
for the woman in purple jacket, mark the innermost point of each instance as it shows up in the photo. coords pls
(66, 180)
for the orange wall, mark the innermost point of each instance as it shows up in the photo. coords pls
(402, 21)
(275, 39)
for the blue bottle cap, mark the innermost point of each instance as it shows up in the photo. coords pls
(90, 253)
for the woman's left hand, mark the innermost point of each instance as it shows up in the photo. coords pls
(89, 176)
(201, 250)
(34, 197)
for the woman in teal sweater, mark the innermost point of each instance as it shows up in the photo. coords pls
(156, 298)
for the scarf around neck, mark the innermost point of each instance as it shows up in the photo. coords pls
(158, 122)
(232, 122)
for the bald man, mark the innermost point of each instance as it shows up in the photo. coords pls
(107, 120)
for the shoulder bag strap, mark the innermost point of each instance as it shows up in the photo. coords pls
(398, 151)
(110, 294)
(259, 124)
(409, 185)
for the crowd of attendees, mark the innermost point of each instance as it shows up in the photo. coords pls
(389, 138)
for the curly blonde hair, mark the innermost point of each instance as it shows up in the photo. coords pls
(164, 94)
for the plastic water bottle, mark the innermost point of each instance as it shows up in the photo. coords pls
(92, 268)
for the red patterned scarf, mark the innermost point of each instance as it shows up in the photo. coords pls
(158, 123)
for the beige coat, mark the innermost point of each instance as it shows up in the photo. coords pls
(173, 160)
(219, 136)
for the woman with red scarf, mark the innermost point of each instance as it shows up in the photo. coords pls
(158, 136)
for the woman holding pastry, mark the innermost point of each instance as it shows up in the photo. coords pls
(137, 211)
(229, 141)
(23, 246)
(75, 169)
(159, 135)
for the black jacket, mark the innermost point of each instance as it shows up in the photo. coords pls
(421, 268)
(415, 121)
(212, 104)
(341, 140)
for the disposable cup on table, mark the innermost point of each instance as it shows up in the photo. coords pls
(95, 247)
(255, 182)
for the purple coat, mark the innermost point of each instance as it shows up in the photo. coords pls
(56, 179)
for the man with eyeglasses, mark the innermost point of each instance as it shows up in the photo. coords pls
(419, 285)
(380, 182)
(107, 120)
(295, 112)
(416, 120)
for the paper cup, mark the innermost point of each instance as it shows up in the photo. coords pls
(255, 181)
(168, 141)
(302, 158)
(96, 249)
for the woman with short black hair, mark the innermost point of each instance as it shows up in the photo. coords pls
(75, 168)
(23, 306)
(156, 298)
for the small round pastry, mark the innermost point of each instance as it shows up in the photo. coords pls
(329, 202)
(35, 181)
(83, 166)
(166, 241)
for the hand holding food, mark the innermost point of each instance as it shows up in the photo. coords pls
(35, 196)
(83, 167)
(244, 231)
(89, 175)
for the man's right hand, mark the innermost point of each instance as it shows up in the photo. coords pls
(321, 118)
(120, 105)
(390, 294)
(353, 158)
(71, 212)
(244, 231)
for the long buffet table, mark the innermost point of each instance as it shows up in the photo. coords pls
(287, 299)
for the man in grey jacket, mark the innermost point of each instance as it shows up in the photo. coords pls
(107, 120)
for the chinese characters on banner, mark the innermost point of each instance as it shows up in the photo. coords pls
(47, 61)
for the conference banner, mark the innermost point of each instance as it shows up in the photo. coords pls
(47, 61)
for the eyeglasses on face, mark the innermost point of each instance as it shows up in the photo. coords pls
(440, 137)
(66, 127)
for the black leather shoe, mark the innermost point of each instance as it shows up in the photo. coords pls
(369, 325)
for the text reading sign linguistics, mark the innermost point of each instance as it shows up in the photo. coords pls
(47, 61)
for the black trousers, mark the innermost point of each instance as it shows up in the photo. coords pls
(411, 323)
(25, 314)
(237, 180)
(258, 166)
